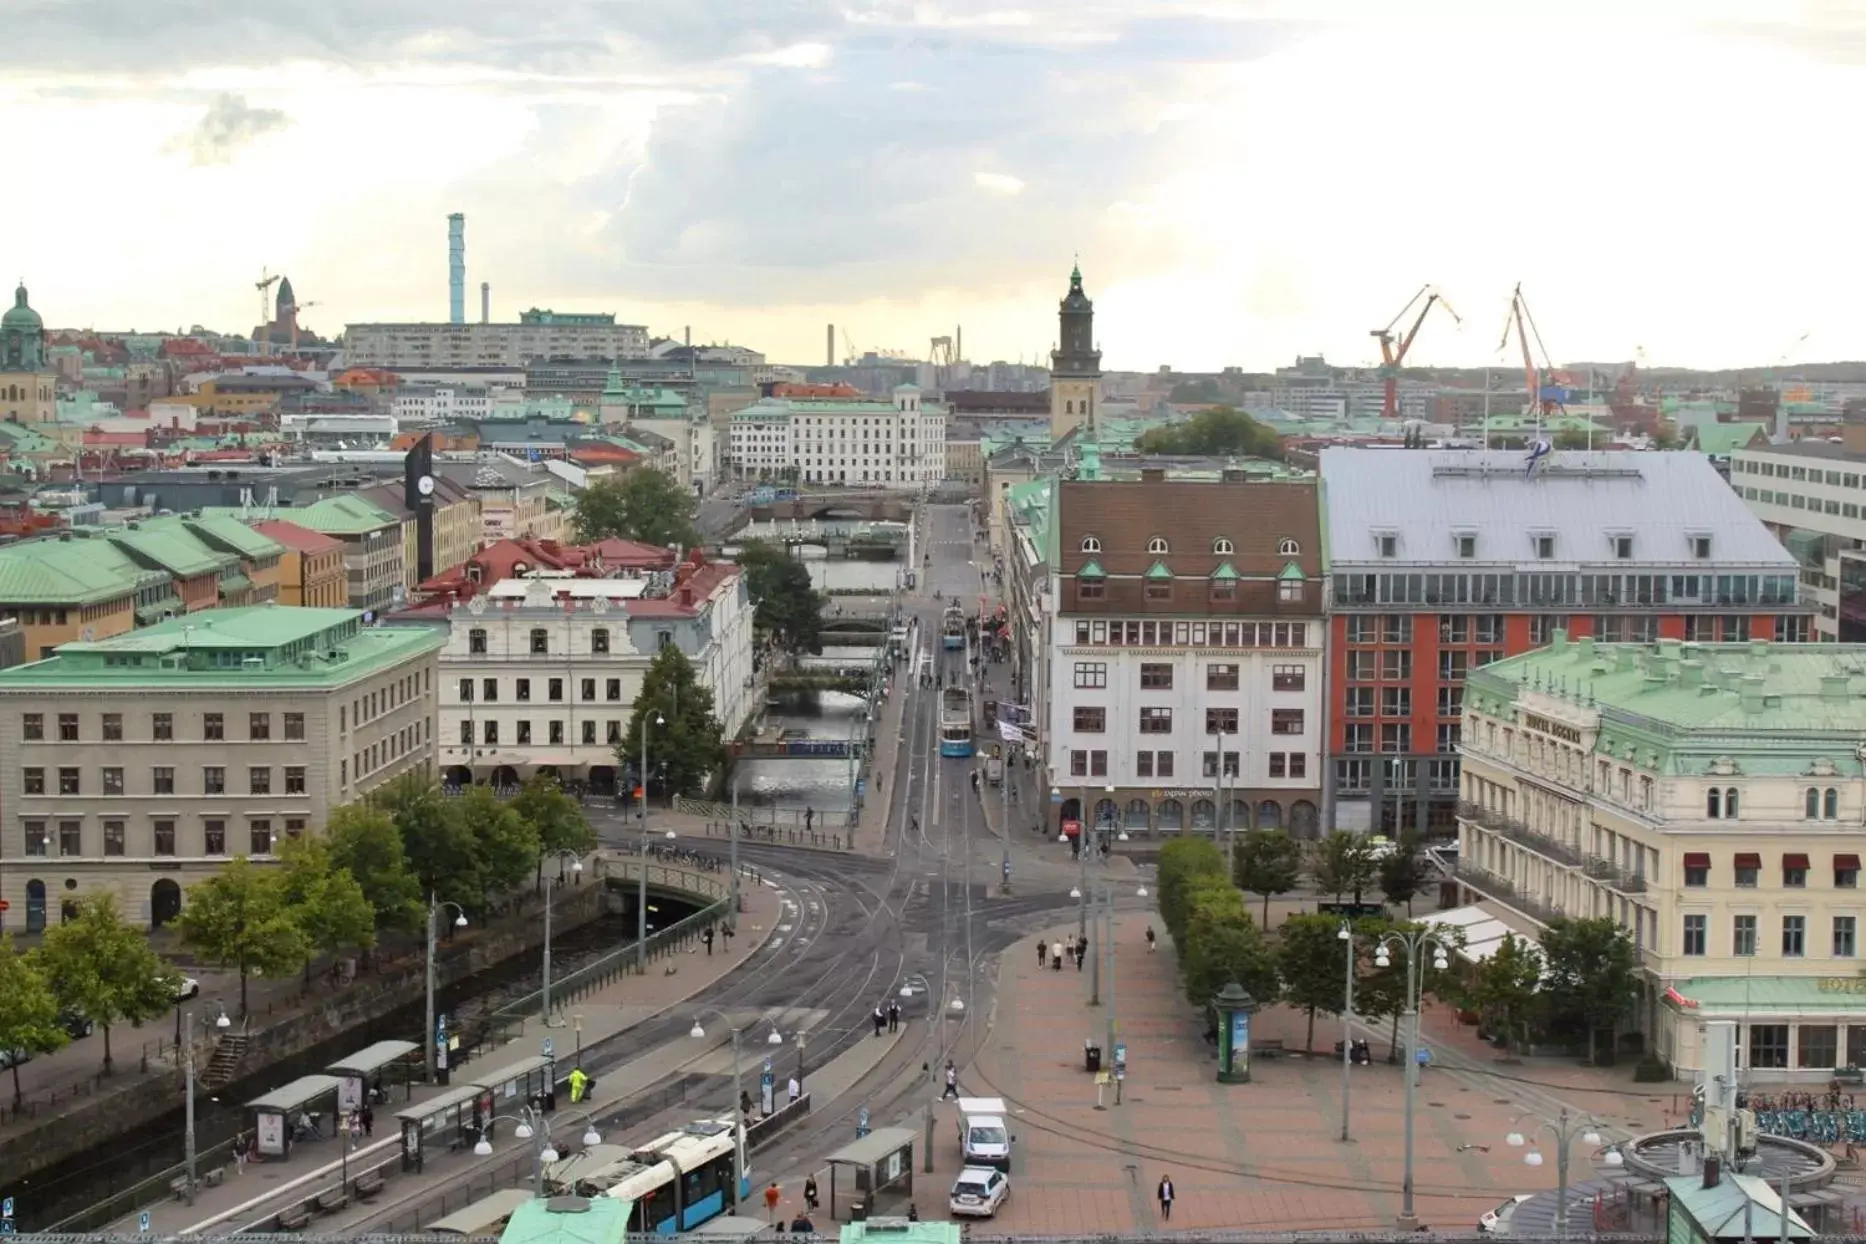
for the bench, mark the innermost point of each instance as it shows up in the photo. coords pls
(178, 1187)
(1271, 1047)
(212, 1178)
(332, 1200)
(367, 1185)
(297, 1218)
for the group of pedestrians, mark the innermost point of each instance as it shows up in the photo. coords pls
(1052, 955)
(887, 1018)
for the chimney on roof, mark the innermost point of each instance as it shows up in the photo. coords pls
(1834, 686)
(686, 597)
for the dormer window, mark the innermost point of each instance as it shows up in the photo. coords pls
(1287, 547)
(1387, 543)
(1090, 583)
(1222, 547)
(1090, 544)
(1544, 547)
(1466, 542)
(1622, 547)
(1701, 548)
(1157, 546)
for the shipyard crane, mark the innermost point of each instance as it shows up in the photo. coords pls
(264, 285)
(295, 308)
(1393, 352)
(1542, 400)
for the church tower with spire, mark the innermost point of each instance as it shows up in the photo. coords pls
(28, 385)
(1075, 365)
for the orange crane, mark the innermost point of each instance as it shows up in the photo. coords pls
(1393, 353)
(265, 282)
(1519, 318)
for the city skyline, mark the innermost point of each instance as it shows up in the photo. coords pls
(756, 171)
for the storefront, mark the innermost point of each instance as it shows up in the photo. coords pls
(1791, 1029)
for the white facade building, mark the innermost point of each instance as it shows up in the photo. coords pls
(445, 403)
(1812, 495)
(898, 444)
(542, 673)
(537, 335)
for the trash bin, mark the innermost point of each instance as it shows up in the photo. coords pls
(1091, 1057)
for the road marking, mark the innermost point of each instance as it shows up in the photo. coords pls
(784, 928)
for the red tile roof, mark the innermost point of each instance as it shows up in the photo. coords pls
(299, 539)
(511, 559)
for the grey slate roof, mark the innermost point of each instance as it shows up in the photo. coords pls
(1583, 499)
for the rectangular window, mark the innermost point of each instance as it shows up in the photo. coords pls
(1159, 589)
(1362, 666)
(113, 837)
(294, 779)
(259, 726)
(1078, 762)
(1794, 936)
(71, 837)
(521, 690)
(489, 690)
(1396, 666)
(213, 727)
(466, 734)
(1298, 765)
(162, 780)
(1286, 721)
(1395, 701)
(612, 692)
(213, 837)
(113, 729)
(1091, 720)
(1768, 1045)
(1221, 677)
(1288, 678)
(1143, 766)
(556, 733)
(1846, 873)
(613, 735)
(213, 780)
(1156, 721)
(164, 832)
(1163, 764)
(32, 727)
(294, 827)
(32, 781)
(1091, 675)
(1817, 1045)
(1743, 936)
(1357, 702)
(113, 781)
(540, 643)
(67, 727)
(1357, 737)
(556, 690)
(1221, 721)
(294, 727)
(260, 833)
(68, 782)
(1746, 874)
(259, 780)
(1098, 763)
(466, 690)
(1845, 936)
(1395, 740)
(492, 734)
(599, 644)
(35, 837)
(1279, 767)
(476, 643)
(1694, 934)
(588, 689)
(524, 733)
(1156, 677)
(588, 731)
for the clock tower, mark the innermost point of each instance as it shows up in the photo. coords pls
(1075, 366)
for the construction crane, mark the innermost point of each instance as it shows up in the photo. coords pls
(1543, 400)
(1393, 353)
(264, 285)
(293, 310)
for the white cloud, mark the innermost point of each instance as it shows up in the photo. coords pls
(794, 56)
(998, 183)
(229, 126)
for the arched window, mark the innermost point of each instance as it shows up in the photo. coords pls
(1729, 803)
(1287, 547)
(1831, 804)
(1157, 546)
(1811, 804)
(1090, 544)
(1222, 547)
(1713, 804)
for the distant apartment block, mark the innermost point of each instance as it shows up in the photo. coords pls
(537, 335)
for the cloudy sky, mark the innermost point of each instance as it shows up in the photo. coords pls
(1243, 179)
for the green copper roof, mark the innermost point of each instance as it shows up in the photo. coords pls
(1772, 993)
(1292, 572)
(228, 532)
(1092, 570)
(345, 514)
(1159, 571)
(58, 572)
(171, 547)
(1225, 571)
(1723, 438)
(261, 647)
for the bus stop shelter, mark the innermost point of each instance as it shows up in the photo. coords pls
(461, 1115)
(879, 1166)
(274, 1113)
(364, 1071)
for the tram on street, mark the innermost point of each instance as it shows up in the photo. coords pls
(952, 628)
(678, 1181)
(955, 722)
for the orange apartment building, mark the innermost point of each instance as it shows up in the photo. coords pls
(311, 571)
(1442, 561)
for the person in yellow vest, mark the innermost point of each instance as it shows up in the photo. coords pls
(579, 1084)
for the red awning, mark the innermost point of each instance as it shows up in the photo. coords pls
(1794, 861)
(1746, 860)
(1697, 859)
(1846, 863)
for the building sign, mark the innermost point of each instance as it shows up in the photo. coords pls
(1841, 984)
(1207, 793)
(1567, 734)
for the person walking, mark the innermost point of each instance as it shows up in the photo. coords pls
(809, 819)
(1043, 954)
(894, 1017)
(881, 1020)
(579, 1084)
(1081, 951)
(809, 1191)
(1152, 938)
(1056, 956)
(707, 938)
(792, 1091)
(952, 1081)
(368, 1116)
(772, 1196)
(1166, 1193)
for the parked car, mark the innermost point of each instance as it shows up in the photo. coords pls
(979, 1191)
(187, 988)
(77, 1025)
(1497, 1221)
(13, 1058)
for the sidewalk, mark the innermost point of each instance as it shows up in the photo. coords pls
(254, 1194)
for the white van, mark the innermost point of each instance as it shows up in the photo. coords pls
(984, 1138)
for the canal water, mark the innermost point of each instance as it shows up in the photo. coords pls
(837, 576)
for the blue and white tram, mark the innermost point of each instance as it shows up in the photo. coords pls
(682, 1179)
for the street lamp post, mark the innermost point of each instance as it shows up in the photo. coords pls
(1104, 899)
(1346, 937)
(576, 866)
(1413, 942)
(533, 1126)
(738, 1091)
(220, 1021)
(641, 891)
(433, 1041)
(1564, 1130)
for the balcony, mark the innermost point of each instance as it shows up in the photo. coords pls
(1491, 885)
(1616, 877)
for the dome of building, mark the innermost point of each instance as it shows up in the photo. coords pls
(22, 316)
(287, 302)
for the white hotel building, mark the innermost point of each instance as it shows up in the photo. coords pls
(901, 444)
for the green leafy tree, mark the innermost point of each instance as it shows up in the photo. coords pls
(1224, 944)
(688, 745)
(1591, 976)
(1402, 872)
(365, 843)
(644, 504)
(1268, 862)
(1312, 961)
(1344, 863)
(1184, 864)
(504, 846)
(28, 1009)
(555, 817)
(1217, 432)
(240, 918)
(328, 902)
(104, 969)
(438, 846)
(1505, 988)
(789, 608)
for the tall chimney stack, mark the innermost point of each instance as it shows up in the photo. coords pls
(829, 345)
(456, 268)
(485, 302)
